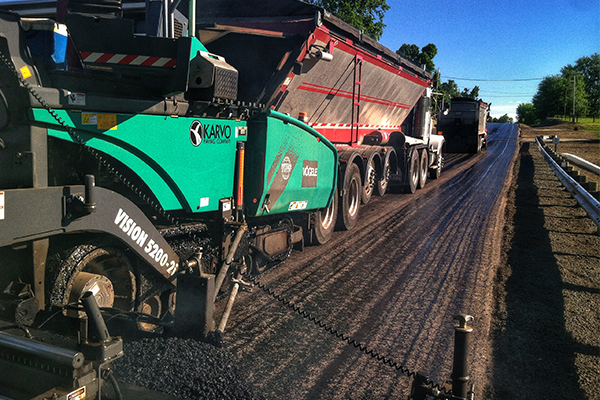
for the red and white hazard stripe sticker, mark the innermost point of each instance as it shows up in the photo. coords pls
(318, 125)
(128, 59)
(1, 205)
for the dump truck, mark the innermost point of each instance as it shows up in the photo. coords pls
(373, 105)
(463, 125)
(157, 169)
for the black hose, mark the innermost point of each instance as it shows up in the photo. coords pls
(115, 385)
(97, 324)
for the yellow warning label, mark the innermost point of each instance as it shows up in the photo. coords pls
(102, 121)
(89, 119)
(107, 121)
(25, 72)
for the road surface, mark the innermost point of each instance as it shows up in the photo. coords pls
(393, 283)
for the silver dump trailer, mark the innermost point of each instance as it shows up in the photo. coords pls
(300, 60)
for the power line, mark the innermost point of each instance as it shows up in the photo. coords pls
(502, 92)
(495, 96)
(494, 80)
(482, 93)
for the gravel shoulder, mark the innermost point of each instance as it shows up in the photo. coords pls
(545, 337)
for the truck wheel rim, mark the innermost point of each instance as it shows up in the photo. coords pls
(415, 170)
(385, 178)
(386, 175)
(423, 169)
(327, 217)
(353, 197)
(370, 179)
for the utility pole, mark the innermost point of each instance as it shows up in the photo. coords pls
(574, 98)
(565, 108)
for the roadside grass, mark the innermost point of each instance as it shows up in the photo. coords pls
(586, 124)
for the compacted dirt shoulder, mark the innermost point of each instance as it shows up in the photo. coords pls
(573, 140)
(546, 338)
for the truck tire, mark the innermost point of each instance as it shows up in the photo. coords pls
(325, 222)
(423, 161)
(412, 175)
(386, 171)
(370, 181)
(349, 198)
(436, 173)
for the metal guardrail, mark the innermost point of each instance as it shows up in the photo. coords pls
(580, 162)
(585, 199)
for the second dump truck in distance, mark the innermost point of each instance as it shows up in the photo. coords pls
(464, 125)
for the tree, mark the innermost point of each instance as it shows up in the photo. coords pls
(471, 94)
(424, 57)
(589, 69)
(366, 15)
(428, 52)
(572, 78)
(579, 84)
(526, 114)
(450, 88)
(555, 95)
(409, 51)
(505, 119)
(550, 97)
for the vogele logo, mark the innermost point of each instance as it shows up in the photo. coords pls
(310, 172)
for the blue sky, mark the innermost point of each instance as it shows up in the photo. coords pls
(497, 40)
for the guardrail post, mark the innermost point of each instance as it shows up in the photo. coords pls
(460, 370)
(574, 174)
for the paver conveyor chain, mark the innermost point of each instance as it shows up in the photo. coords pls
(72, 131)
(422, 386)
